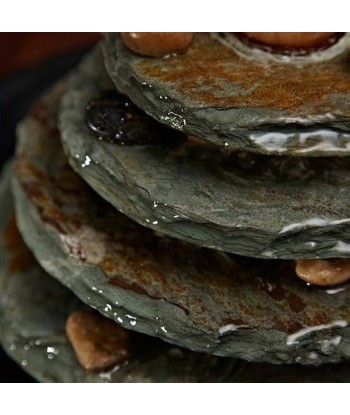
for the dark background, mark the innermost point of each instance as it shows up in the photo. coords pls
(30, 63)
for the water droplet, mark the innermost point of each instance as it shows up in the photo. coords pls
(50, 356)
(87, 162)
(133, 322)
(13, 348)
(164, 329)
(37, 342)
(120, 320)
(176, 120)
(52, 350)
(155, 222)
(26, 347)
(100, 291)
(24, 362)
(108, 307)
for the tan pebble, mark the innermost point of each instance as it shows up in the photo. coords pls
(99, 343)
(323, 272)
(157, 44)
(290, 39)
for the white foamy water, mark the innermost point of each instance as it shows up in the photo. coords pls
(295, 337)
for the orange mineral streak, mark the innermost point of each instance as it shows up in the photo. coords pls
(20, 257)
(290, 39)
(157, 44)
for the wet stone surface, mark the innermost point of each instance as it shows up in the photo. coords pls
(253, 205)
(211, 92)
(201, 299)
(33, 311)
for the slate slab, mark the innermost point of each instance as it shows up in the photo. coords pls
(33, 311)
(257, 206)
(214, 93)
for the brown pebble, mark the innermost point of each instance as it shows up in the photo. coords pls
(323, 272)
(157, 44)
(98, 342)
(290, 39)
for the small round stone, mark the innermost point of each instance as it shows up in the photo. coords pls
(157, 44)
(291, 39)
(114, 118)
(323, 272)
(99, 343)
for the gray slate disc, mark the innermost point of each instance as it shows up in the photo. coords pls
(258, 206)
(212, 92)
(200, 299)
(33, 310)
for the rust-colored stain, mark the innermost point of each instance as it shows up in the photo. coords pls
(204, 75)
(20, 257)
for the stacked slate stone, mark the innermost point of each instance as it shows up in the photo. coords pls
(170, 198)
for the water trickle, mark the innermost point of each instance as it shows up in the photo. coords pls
(229, 328)
(295, 338)
(337, 290)
(328, 345)
(108, 375)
